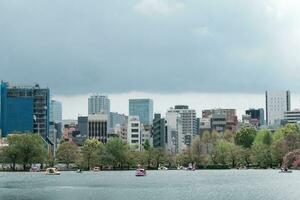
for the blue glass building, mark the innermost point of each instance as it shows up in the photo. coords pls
(24, 109)
(143, 108)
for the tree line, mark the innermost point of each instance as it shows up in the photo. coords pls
(212, 150)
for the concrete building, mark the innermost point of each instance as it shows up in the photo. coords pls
(143, 108)
(98, 104)
(159, 132)
(292, 116)
(276, 104)
(97, 127)
(24, 109)
(204, 125)
(221, 119)
(189, 122)
(257, 114)
(249, 121)
(175, 137)
(134, 133)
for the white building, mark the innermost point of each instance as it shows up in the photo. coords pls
(134, 133)
(276, 104)
(292, 116)
(189, 122)
(175, 137)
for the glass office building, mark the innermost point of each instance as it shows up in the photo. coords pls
(24, 109)
(143, 108)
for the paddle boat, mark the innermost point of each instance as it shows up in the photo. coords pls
(78, 171)
(52, 171)
(140, 171)
(34, 169)
(191, 167)
(96, 169)
(285, 170)
(180, 167)
(161, 167)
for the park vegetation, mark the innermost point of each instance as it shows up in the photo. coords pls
(247, 147)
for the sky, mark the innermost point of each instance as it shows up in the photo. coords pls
(161, 49)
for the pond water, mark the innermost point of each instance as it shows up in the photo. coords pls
(157, 185)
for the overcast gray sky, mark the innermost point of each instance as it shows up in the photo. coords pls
(112, 46)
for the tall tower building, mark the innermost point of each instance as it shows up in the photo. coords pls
(175, 136)
(99, 104)
(189, 122)
(276, 104)
(143, 108)
(55, 111)
(24, 109)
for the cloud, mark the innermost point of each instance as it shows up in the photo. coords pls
(158, 7)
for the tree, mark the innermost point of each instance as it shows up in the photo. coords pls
(197, 148)
(146, 145)
(158, 156)
(67, 153)
(115, 152)
(10, 155)
(91, 152)
(285, 139)
(263, 137)
(25, 149)
(245, 137)
(206, 140)
(221, 152)
(261, 155)
(229, 135)
(261, 150)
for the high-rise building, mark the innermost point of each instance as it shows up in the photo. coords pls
(159, 132)
(276, 104)
(143, 108)
(99, 104)
(24, 109)
(189, 122)
(175, 136)
(97, 127)
(257, 114)
(55, 111)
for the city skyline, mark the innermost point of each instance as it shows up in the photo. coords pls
(78, 105)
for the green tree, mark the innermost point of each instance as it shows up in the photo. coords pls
(116, 152)
(245, 136)
(261, 155)
(285, 139)
(220, 154)
(263, 137)
(229, 135)
(197, 149)
(206, 140)
(261, 149)
(25, 149)
(67, 153)
(91, 152)
(146, 145)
